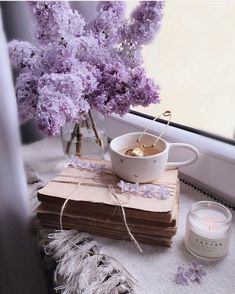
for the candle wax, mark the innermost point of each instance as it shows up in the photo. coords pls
(209, 223)
(208, 231)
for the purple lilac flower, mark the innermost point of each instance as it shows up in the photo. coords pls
(140, 30)
(163, 193)
(119, 89)
(123, 185)
(143, 90)
(134, 188)
(89, 76)
(60, 100)
(86, 165)
(110, 17)
(196, 272)
(149, 191)
(112, 94)
(57, 58)
(22, 54)
(87, 48)
(181, 277)
(48, 114)
(128, 187)
(146, 20)
(99, 63)
(63, 83)
(26, 95)
(130, 55)
(55, 20)
(152, 191)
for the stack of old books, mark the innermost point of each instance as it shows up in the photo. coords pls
(91, 206)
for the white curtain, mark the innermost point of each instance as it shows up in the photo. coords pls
(20, 267)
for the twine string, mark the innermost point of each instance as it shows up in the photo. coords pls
(113, 193)
(111, 189)
(68, 198)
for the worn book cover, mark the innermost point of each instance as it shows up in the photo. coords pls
(91, 206)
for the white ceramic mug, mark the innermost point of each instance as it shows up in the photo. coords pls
(148, 168)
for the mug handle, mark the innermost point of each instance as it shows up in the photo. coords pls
(175, 164)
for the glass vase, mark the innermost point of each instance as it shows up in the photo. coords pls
(85, 139)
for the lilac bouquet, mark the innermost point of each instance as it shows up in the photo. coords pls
(74, 66)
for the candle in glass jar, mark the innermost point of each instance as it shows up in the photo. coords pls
(208, 230)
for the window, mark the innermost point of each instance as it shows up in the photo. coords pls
(193, 60)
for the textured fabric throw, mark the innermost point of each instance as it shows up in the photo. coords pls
(81, 267)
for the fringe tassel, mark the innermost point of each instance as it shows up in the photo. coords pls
(82, 269)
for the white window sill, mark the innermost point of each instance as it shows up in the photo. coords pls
(214, 172)
(47, 159)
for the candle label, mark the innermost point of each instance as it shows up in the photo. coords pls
(205, 247)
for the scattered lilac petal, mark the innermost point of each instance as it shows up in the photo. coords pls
(123, 185)
(149, 191)
(181, 277)
(86, 165)
(134, 188)
(163, 193)
(196, 272)
(128, 187)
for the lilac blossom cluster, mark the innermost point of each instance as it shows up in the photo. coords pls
(147, 190)
(139, 30)
(86, 165)
(74, 66)
(110, 18)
